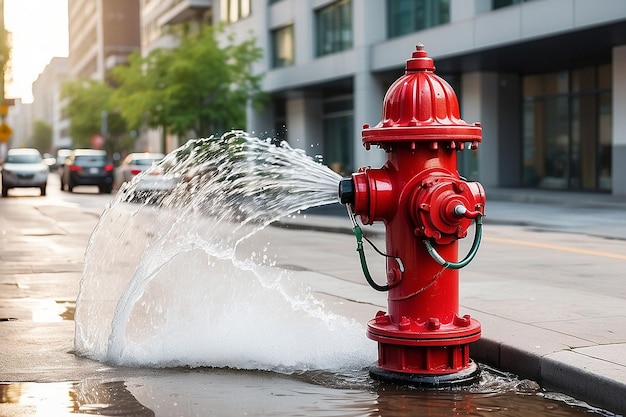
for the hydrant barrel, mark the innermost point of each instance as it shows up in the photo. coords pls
(426, 207)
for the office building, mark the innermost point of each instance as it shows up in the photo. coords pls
(546, 78)
(47, 102)
(102, 33)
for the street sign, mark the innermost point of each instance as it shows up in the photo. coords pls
(97, 141)
(5, 132)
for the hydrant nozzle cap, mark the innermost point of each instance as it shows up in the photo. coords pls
(420, 60)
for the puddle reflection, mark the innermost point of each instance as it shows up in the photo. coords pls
(68, 398)
(49, 311)
(185, 392)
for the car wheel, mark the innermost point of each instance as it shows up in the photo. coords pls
(43, 190)
(5, 191)
(106, 189)
(70, 186)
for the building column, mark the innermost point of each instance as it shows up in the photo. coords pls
(619, 123)
(305, 125)
(368, 90)
(368, 107)
(260, 122)
(479, 103)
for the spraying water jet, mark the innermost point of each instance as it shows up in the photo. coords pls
(180, 276)
(426, 207)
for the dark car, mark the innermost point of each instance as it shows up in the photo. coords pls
(87, 167)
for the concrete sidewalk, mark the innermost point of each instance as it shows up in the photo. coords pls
(582, 356)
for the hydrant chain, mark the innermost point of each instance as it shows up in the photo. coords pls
(470, 255)
(421, 290)
(358, 233)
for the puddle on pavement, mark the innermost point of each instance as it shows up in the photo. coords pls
(48, 311)
(44, 311)
(204, 391)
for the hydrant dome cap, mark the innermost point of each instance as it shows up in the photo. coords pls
(420, 60)
(421, 106)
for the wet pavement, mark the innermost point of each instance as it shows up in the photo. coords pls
(551, 307)
(547, 287)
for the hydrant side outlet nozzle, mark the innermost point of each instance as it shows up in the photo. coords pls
(346, 191)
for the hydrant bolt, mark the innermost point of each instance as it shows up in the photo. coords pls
(460, 210)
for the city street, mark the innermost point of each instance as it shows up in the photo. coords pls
(550, 300)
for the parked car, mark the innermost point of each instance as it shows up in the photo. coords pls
(24, 168)
(49, 160)
(134, 164)
(87, 167)
(156, 183)
(61, 156)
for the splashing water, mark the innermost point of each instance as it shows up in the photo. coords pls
(164, 283)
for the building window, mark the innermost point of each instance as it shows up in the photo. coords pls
(567, 129)
(280, 121)
(498, 4)
(407, 16)
(282, 47)
(334, 28)
(234, 10)
(338, 133)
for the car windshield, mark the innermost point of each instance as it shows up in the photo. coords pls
(24, 159)
(90, 160)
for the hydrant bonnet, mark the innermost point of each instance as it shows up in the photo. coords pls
(421, 106)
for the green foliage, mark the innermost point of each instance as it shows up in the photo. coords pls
(42, 136)
(87, 99)
(5, 52)
(90, 111)
(199, 87)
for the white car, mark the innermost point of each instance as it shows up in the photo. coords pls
(24, 168)
(134, 164)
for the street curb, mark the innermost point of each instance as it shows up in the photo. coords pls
(552, 373)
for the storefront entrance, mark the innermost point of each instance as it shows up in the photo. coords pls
(567, 129)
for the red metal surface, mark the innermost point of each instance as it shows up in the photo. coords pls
(415, 194)
(421, 106)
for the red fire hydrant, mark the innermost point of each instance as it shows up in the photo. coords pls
(426, 207)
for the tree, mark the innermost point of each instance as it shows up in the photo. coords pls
(5, 56)
(91, 113)
(42, 136)
(198, 88)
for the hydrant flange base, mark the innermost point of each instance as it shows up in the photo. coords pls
(445, 335)
(465, 377)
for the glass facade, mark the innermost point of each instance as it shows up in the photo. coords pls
(234, 10)
(567, 119)
(407, 16)
(339, 133)
(498, 4)
(333, 26)
(282, 47)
